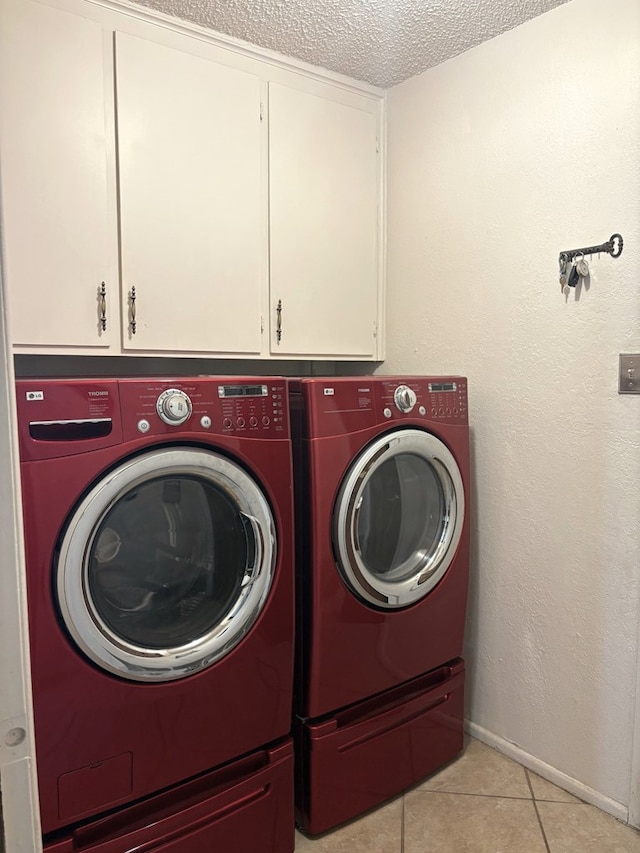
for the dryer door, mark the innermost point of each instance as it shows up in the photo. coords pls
(398, 518)
(166, 564)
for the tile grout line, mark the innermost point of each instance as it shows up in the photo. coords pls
(402, 824)
(535, 806)
(486, 796)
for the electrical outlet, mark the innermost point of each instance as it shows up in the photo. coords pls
(629, 373)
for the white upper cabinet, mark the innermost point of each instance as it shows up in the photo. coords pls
(189, 150)
(324, 227)
(172, 193)
(56, 163)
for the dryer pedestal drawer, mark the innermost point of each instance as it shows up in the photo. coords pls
(372, 751)
(242, 807)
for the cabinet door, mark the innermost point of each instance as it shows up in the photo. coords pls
(57, 177)
(189, 145)
(323, 198)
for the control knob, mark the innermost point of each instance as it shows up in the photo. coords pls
(404, 398)
(173, 407)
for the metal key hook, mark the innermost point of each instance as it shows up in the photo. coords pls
(612, 247)
(615, 253)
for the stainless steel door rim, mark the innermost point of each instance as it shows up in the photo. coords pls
(81, 617)
(419, 571)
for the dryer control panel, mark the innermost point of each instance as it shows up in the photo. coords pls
(440, 399)
(337, 405)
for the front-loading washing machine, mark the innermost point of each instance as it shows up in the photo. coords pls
(382, 477)
(158, 522)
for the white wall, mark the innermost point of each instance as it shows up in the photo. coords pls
(498, 160)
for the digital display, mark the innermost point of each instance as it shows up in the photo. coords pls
(243, 391)
(443, 386)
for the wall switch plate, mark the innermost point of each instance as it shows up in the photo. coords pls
(629, 373)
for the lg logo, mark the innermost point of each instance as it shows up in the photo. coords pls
(35, 395)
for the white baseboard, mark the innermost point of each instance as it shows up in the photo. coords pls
(589, 795)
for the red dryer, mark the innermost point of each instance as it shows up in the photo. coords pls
(159, 557)
(381, 468)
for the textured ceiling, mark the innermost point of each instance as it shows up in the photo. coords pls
(380, 41)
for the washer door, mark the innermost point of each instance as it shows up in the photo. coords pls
(166, 564)
(398, 518)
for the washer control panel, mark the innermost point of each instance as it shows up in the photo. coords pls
(448, 399)
(253, 407)
(205, 405)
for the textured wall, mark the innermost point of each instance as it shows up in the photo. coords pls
(498, 159)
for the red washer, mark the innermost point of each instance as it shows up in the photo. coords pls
(383, 489)
(159, 557)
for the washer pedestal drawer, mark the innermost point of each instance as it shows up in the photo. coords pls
(244, 806)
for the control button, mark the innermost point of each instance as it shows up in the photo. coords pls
(173, 407)
(387, 413)
(441, 410)
(434, 412)
(226, 423)
(253, 422)
(404, 398)
(144, 425)
(240, 422)
(266, 421)
(205, 421)
(422, 410)
(448, 411)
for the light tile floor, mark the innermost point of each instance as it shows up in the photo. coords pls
(481, 803)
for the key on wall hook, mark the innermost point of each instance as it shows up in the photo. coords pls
(612, 247)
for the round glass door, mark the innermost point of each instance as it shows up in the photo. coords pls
(398, 518)
(166, 564)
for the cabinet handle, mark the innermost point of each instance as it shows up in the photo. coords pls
(132, 310)
(102, 302)
(279, 321)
